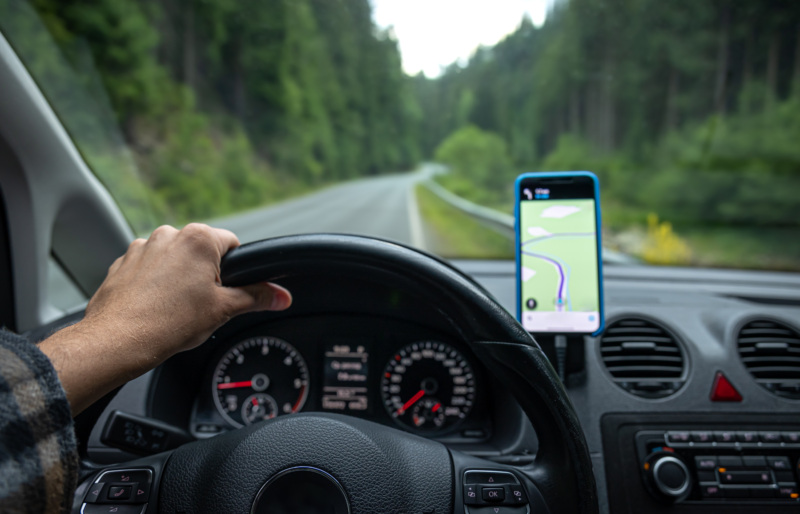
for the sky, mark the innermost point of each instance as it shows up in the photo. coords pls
(436, 33)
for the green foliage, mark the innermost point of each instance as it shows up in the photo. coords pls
(224, 104)
(682, 108)
(480, 158)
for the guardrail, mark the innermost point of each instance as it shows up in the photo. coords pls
(500, 222)
(503, 223)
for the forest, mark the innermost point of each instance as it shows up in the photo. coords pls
(224, 104)
(688, 111)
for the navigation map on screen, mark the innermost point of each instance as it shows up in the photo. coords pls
(558, 254)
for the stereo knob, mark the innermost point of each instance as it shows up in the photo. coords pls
(669, 477)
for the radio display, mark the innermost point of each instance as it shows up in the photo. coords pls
(344, 385)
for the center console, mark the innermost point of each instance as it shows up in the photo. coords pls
(710, 463)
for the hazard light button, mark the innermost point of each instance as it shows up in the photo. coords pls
(723, 390)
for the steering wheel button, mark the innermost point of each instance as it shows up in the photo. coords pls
(499, 509)
(127, 476)
(493, 494)
(93, 493)
(489, 477)
(471, 495)
(141, 492)
(96, 508)
(119, 493)
(517, 494)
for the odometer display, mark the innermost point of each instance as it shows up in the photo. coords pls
(428, 387)
(259, 378)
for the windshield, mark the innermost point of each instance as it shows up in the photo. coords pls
(409, 120)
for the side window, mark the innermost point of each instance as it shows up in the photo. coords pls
(62, 293)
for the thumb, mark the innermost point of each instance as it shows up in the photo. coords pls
(264, 296)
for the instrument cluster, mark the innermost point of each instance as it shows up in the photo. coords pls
(428, 386)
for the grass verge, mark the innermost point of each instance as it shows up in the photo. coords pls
(457, 235)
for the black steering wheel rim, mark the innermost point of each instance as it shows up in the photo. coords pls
(562, 468)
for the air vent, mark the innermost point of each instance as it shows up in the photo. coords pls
(771, 353)
(643, 358)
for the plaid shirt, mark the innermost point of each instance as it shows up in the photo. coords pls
(38, 456)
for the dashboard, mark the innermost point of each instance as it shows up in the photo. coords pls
(703, 312)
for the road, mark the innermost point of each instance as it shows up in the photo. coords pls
(381, 206)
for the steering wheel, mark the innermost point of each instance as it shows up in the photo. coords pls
(346, 465)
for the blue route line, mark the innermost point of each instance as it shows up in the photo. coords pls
(561, 277)
(559, 265)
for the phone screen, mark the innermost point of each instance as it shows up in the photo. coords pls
(558, 261)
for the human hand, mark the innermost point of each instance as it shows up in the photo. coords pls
(162, 297)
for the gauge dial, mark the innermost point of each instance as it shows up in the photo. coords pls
(259, 407)
(259, 378)
(428, 386)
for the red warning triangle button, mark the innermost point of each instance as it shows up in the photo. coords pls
(723, 390)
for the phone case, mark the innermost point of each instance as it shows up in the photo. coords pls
(550, 174)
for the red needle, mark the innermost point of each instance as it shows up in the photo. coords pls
(436, 407)
(411, 402)
(232, 385)
(254, 402)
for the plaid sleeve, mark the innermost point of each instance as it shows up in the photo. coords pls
(38, 452)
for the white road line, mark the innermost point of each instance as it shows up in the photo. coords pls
(414, 220)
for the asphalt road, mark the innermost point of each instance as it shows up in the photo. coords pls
(380, 206)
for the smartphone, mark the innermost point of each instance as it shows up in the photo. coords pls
(559, 264)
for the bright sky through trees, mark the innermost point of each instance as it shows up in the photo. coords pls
(435, 33)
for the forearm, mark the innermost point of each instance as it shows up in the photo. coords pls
(93, 358)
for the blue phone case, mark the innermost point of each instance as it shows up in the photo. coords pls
(548, 174)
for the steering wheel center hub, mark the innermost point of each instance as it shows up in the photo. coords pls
(302, 489)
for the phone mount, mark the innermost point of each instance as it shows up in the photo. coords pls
(567, 354)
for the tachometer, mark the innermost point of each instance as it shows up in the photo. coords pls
(258, 379)
(428, 386)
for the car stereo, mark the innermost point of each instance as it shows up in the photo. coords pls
(720, 465)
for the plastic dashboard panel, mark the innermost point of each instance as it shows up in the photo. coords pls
(703, 307)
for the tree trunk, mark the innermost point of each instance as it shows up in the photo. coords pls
(671, 108)
(720, 89)
(189, 51)
(592, 114)
(607, 112)
(575, 112)
(747, 65)
(796, 77)
(772, 66)
(239, 107)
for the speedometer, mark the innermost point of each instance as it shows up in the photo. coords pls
(259, 378)
(428, 387)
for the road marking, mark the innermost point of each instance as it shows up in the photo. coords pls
(414, 220)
